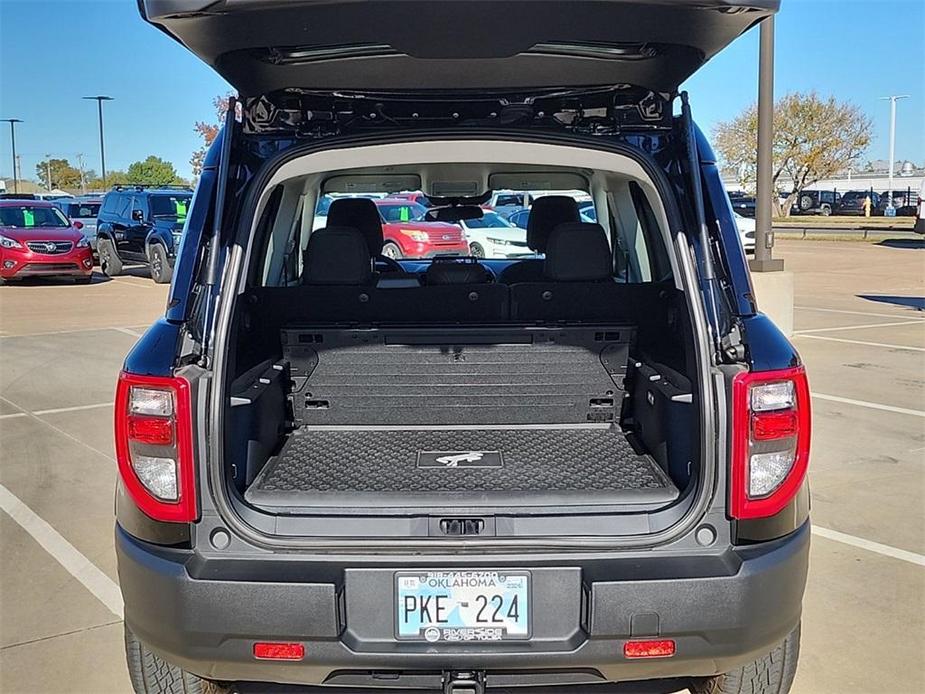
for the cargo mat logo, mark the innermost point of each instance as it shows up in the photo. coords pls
(459, 459)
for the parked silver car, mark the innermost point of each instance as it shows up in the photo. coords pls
(83, 213)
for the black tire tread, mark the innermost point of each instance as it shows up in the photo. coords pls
(770, 674)
(166, 271)
(114, 267)
(151, 674)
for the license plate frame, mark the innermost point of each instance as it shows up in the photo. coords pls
(461, 590)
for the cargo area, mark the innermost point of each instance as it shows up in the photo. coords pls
(410, 419)
(545, 392)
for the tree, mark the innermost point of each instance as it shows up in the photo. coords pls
(152, 171)
(814, 138)
(209, 131)
(63, 175)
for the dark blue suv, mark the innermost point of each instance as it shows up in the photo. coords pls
(573, 470)
(142, 224)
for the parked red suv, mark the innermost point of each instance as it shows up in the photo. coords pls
(36, 239)
(407, 236)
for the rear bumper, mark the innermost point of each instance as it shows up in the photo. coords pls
(15, 264)
(722, 610)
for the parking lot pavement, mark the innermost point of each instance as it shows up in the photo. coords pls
(61, 347)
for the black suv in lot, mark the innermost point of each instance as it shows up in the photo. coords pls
(584, 468)
(142, 224)
(820, 202)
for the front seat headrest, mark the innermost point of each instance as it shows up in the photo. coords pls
(337, 255)
(457, 273)
(362, 214)
(546, 214)
(578, 252)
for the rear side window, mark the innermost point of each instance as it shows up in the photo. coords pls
(110, 203)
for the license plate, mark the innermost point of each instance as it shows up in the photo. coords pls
(455, 606)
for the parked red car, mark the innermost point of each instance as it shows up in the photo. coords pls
(36, 239)
(407, 236)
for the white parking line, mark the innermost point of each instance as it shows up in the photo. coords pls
(103, 588)
(870, 545)
(14, 414)
(852, 313)
(77, 408)
(127, 331)
(857, 327)
(870, 405)
(102, 328)
(860, 342)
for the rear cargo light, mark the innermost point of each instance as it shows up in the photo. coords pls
(154, 446)
(656, 648)
(770, 440)
(265, 650)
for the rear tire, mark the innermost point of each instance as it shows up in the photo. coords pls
(390, 250)
(161, 272)
(770, 674)
(151, 674)
(476, 250)
(110, 263)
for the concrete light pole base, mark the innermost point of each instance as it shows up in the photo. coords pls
(765, 265)
(774, 293)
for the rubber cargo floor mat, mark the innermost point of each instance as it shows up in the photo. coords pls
(483, 466)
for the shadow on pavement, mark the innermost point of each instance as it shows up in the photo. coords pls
(914, 302)
(98, 278)
(918, 243)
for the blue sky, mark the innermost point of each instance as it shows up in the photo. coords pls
(53, 53)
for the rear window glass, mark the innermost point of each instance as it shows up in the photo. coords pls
(504, 200)
(27, 216)
(169, 205)
(79, 210)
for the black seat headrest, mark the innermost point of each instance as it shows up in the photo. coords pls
(337, 255)
(546, 214)
(457, 273)
(578, 252)
(362, 214)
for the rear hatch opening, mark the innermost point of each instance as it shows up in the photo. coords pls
(394, 406)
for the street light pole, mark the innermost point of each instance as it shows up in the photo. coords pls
(13, 122)
(99, 102)
(892, 100)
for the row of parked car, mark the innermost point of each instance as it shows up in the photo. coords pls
(143, 225)
(829, 202)
(132, 224)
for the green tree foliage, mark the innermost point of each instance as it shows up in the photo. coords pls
(814, 138)
(63, 175)
(152, 171)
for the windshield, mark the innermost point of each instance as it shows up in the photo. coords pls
(403, 212)
(82, 210)
(26, 216)
(489, 220)
(169, 205)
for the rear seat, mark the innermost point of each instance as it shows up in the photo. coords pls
(578, 285)
(453, 292)
(577, 282)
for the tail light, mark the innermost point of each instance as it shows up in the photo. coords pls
(770, 440)
(154, 446)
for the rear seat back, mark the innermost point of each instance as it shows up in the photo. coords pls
(577, 282)
(453, 292)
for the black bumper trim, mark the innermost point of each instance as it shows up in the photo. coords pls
(208, 625)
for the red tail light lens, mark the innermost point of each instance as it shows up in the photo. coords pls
(154, 446)
(770, 441)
